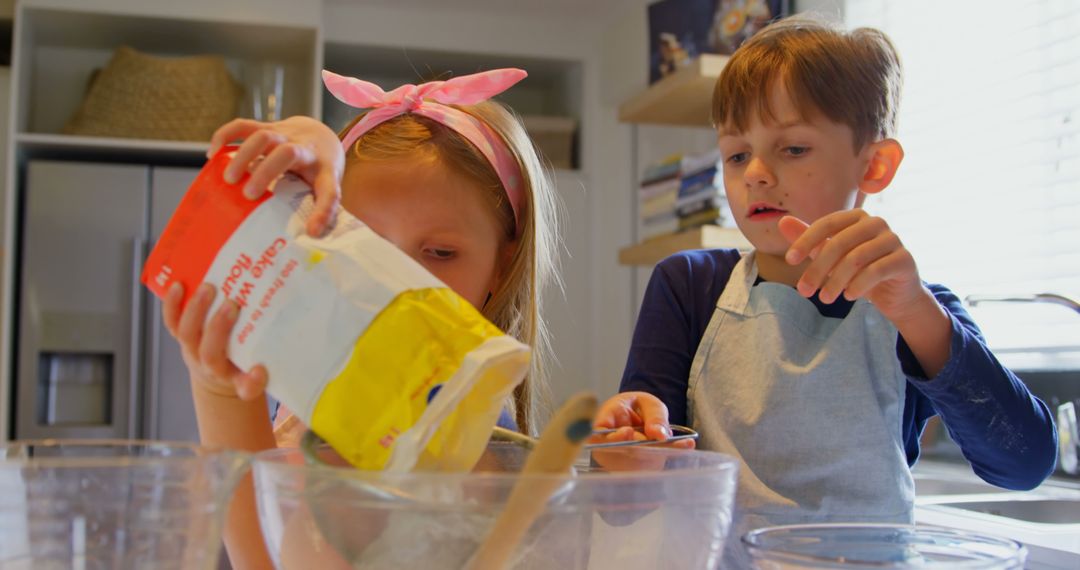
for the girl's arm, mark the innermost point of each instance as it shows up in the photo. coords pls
(233, 423)
(230, 407)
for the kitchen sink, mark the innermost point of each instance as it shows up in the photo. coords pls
(925, 486)
(1046, 511)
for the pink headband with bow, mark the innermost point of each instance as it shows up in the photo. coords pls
(432, 100)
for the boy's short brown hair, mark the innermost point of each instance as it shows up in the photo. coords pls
(852, 78)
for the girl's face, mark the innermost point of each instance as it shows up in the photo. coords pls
(435, 215)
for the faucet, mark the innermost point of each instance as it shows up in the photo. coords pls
(1069, 439)
(1054, 298)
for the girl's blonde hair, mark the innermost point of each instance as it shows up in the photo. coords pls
(516, 307)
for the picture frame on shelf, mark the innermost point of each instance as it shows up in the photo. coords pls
(682, 30)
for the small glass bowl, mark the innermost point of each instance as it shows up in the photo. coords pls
(878, 546)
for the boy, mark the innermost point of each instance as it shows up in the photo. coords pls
(817, 359)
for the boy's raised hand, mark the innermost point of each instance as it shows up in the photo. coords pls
(301, 145)
(855, 255)
(628, 409)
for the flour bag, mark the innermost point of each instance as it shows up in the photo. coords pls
(377, 356)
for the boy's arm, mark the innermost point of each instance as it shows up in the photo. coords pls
(1004, 431)
(659, 359)
(927, 329)
(675, 311)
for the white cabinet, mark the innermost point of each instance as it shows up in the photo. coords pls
(57, 46)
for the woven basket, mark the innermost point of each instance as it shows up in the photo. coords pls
(142, 96)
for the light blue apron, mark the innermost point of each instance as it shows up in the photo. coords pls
(811, 406)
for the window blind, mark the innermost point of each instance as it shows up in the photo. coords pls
(988, 196)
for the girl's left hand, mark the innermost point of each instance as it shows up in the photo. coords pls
(301, 145)
(856, 255)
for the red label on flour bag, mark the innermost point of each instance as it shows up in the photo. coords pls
(208, 215)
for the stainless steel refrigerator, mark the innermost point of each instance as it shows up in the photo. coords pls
(94, 359)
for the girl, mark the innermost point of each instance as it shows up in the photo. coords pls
(447, 176)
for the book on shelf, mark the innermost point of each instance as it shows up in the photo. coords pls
(659, 225)
(679, 186)
(693, 164)
(703, 181)
(661, 203)
(665, 169)
(713, 201)
(659, 218)
(712, 216)
(654, 189)
(702, 195)
(700, 166)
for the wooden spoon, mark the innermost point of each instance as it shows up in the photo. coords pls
(554, 454)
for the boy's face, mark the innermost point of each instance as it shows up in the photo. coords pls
(804, 167)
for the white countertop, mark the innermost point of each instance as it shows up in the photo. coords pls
(1049, 545)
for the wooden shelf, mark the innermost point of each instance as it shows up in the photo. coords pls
(653, 250)
(683, 98)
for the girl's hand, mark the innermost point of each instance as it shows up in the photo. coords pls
(855, 255)
(301, 145)
(629, 409)
(203, 345)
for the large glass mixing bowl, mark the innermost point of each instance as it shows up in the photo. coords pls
(626, 508)
(86, 505)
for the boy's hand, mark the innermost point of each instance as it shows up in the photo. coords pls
(203, 344)
(856, 255)
(629, 409)
(301, 145)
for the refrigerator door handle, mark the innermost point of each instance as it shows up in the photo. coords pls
(138, 250)
(153, 373)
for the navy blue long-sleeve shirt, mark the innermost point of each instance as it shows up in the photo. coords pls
(1005, 432)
